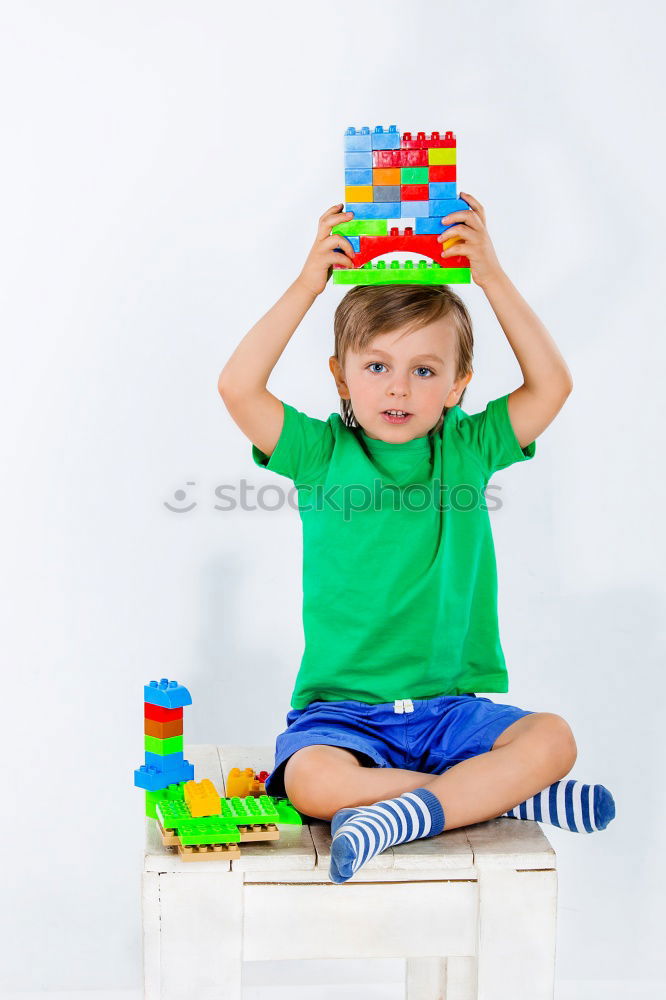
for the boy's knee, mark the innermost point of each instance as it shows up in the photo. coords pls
(558, 743)
(310, 781)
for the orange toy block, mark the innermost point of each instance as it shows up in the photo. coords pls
(202, 799)
(163, 730)
(238, 782)
(242, 783)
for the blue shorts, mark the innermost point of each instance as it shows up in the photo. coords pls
(423, 734)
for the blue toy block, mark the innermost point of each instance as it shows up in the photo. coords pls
(357, 141)
(376, 209)
(164, 762)
(386, 140)
(442, 189)
(415, 209)
(358, 178)
(355, 242)
(442, 208)
(429, 226)
(168, 694)
(358, 161)
(152, 779)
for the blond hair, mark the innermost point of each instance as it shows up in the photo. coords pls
(368, 310)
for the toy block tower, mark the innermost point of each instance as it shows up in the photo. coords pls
(163, 741)
(399, 186)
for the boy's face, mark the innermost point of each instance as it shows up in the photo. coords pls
(414, 372)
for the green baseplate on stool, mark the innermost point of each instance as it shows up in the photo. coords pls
(169, 807)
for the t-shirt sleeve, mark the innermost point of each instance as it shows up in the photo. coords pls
(303, 449)
(490, 435)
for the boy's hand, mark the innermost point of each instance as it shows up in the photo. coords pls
(471, 241)
(319, 262)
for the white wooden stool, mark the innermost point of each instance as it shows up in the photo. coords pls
(473, 910)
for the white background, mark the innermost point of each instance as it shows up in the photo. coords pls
(163, 167)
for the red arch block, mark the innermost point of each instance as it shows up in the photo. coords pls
(425, 244)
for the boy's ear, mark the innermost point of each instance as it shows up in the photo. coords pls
(339, 377)
(458, 386)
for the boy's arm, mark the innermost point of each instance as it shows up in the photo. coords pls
(547, 380)
(242, 381)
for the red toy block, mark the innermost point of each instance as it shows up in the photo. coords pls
(421, 141)
(160, 714)
(443, 173)
(425, 244)
(399, 158)
(414, 192)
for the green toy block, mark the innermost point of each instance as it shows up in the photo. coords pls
(249, 810)
(169, 793)
(362, 227)
(163, 747)
(413, 175)
(423, 273)
(175, 793)
(208, 830)
(204, 830)
(171, 812)
(287, 813)
(152, 798)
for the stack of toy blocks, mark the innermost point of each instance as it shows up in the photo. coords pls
(399, 186)
(204, 827)
(163, 741)
(190, 814)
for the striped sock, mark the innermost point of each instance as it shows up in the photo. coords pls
(569, 804)
(358, 834)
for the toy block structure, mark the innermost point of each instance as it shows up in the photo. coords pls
(163, 741)
(190, 814)
(399, 186)
(205, 837)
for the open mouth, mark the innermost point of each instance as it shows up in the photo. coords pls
(396, 416)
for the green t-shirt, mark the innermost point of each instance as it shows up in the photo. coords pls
(399, 573)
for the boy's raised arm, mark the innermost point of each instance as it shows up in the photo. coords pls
(242, 381)
(547, 380)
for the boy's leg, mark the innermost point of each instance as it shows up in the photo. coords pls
(527, 757)
(321, 779)
(529, 754)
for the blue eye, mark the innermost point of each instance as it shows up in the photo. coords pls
(380, 364)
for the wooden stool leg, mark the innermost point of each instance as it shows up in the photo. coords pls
(150, 919)
(517, 929)
(441, 979)
(201, 926)
(426, 979)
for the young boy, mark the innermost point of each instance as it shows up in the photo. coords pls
(387, 737)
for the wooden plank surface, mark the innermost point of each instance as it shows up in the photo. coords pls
(511, 843)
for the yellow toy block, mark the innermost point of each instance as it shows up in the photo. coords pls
(441, 157)
(242, 783)
(449, 243)
(238, 782)
(202, 799)
(358, 193)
